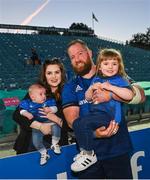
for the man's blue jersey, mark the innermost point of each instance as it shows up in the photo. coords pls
(33, 107)
(112, 107)
(73, 94)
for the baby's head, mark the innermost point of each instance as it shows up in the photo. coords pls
(110, 62)
(37, 93)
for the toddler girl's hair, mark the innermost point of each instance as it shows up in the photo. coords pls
(105, 54)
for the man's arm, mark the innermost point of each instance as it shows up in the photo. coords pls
(71, 113)
(139, 94)
(89, 94)
(70, 102)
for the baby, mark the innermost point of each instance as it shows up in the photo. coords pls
(30, 109)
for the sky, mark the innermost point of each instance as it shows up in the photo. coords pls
(117, 19)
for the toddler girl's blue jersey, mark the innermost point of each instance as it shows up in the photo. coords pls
(73, 94)
(33, 107)
(112, 107)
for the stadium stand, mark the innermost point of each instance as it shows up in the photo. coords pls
(15, 51)
(16, 74)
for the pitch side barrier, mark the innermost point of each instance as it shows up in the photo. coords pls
(58, 167)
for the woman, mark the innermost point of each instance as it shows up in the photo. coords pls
(53, 78)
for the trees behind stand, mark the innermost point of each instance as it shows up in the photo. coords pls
(141, 40)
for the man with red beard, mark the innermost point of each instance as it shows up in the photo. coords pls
(115, 148)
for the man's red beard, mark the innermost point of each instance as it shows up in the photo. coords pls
(83, 70)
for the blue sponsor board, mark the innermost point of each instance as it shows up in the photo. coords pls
(140, 158)
(58, 167)
(27, 166)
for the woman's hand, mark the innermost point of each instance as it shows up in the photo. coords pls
(47, 109)
(103, 132)
(52, 117)
(45, 128)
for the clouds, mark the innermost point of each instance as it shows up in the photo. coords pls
(35, 13)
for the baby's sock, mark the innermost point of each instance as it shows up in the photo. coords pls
(43, 151)
(55, 140)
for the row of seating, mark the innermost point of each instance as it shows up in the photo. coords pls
(15, 50)
(137, 113)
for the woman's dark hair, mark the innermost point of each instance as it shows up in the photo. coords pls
(54, 61)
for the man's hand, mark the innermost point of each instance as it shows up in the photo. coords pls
(96, 86)
(103, 132)
(100, 96)
(106, 85)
